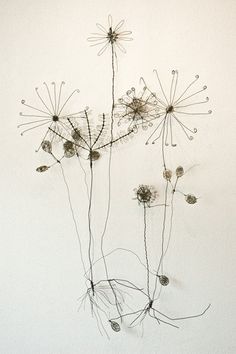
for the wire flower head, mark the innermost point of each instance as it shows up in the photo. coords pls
(173, 105)
(137, 109)
(112, 36)
(88, 139)
(145, 194)
(50, 113)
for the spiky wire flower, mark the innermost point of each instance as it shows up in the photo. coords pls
(171, 106)
(110, 37)
(137, 109)
(145, 194)
(50, 113)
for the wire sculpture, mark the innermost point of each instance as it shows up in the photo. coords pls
(76, 136)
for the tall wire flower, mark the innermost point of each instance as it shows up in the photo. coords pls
(50, 113)
(171, 106)
(111, 36)
(137, 109)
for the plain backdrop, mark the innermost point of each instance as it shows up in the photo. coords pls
(41, 271)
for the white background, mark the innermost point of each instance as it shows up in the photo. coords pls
(41, 272)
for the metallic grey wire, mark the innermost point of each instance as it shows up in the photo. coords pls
(109, 163)
(145, 247)
(72, 214)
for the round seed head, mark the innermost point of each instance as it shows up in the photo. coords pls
(179, 171)
(190, 199)
(94, 155)
(167, 174)
(76, 134)
(69, 149)
(47, 146)
(164, 280)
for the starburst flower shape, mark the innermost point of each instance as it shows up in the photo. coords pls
(145, 194)
(113, 36)
(50, 114)
(171, 106)
(138, 110)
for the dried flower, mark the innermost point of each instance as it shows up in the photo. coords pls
(110, 37)
(145, 194)
(179, 171)
(190, 199)
(137, 109)
(171, 106)
(167, 174)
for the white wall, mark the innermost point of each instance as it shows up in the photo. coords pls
(41, 273)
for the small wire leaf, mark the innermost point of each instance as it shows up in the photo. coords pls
(115, 326)
(42, 168)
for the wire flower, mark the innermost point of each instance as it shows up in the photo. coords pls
(145, 194)
(171, 106)
(88, 139)
(110, 37)
(137, 109)
(50, 113)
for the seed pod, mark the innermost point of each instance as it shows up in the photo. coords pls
(46, 146)
(190, 199)
(115, 326)
(42, 168)
(76, 134)
(179, 171)
(94, 155)
(69, 149)
(167, 174)
(163, 280)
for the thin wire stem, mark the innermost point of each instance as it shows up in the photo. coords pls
(145, 247)
(89, 219)
(110, 160)
(72, 214)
